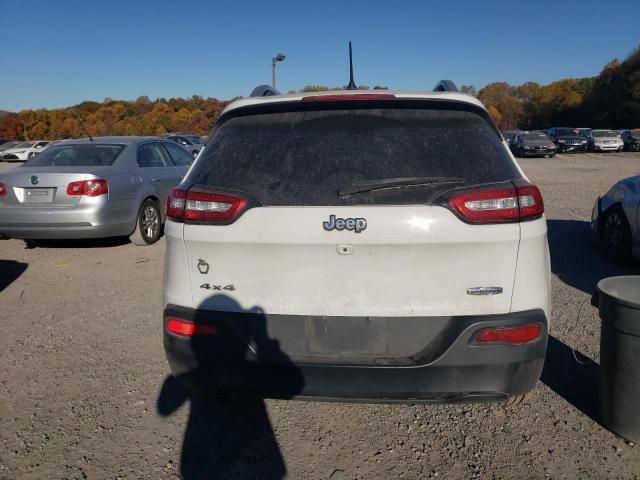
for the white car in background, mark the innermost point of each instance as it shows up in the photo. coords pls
(24, 151)
(615, 220)
(605, 141)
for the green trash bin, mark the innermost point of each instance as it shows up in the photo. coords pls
(619, 378)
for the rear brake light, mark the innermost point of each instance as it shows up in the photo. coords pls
(90, 188)
(519, 202)
(353, 96)
(202, 206)
(3, 189)
(189, 329)
(515, 335)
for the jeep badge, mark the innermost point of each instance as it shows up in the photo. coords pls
(353, 224)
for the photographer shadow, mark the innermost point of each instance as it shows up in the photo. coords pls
(228, 432)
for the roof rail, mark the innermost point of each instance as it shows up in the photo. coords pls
(264, 91)
(445, 86)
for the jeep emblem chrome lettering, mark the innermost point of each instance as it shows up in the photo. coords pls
(353, 224)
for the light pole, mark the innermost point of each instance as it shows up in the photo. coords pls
(278, 58)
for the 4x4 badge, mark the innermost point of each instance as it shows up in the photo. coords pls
(353, 224)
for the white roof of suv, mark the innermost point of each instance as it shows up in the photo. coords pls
(460, 97)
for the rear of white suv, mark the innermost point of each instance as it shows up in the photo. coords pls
(357, 246)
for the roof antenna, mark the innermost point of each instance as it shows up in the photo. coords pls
(352, 85)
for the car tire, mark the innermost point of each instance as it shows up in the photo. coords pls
(616, 235)
(551, 155)
(148, 225)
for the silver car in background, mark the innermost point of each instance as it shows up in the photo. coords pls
(92, 188)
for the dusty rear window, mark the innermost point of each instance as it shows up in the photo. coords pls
(305, 157)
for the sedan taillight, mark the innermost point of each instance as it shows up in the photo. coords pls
(89, 188)
(518, 202)
(201, 206)
(3, 189)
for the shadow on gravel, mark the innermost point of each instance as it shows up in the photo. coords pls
(575, 257)
(10, 270)
(573, 378)
(78, 243)
(230, 436)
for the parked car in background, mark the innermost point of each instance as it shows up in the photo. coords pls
(8, 145)
(605, 141)
(24, 151)
(509, 135)
(615, 220)
(316, 214)
(192, 143)
(585, 132)
(92, 188)
(631, 140)
(568, 139)
(533, 144)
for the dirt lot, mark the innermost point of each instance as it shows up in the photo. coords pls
(85, 392)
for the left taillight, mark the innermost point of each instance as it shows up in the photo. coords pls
(3, 189)
(201, 206)
(189, 329)
(517, 202)
(89, 188)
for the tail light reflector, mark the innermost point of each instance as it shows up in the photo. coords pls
(189, 329)
(353, 96)
(89, 188)
(206, 207)
(3, 189)
(514, 335)
(518, 202)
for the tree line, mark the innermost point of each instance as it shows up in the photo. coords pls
(609, 100)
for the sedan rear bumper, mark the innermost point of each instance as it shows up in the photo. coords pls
(94, 220)
(453, 367)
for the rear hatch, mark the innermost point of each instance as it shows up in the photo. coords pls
(346, 215)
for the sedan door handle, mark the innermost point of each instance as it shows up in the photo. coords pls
(155, 180)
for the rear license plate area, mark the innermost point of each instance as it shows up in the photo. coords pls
(38, 195)
(347, 335)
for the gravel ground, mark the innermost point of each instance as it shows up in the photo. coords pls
(85, 392)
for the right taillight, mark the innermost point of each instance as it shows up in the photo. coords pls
(3, 189)
(89, 188)
(514, 335)
(518, 202)
(204, 207)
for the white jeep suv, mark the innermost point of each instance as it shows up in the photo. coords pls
(357, 246)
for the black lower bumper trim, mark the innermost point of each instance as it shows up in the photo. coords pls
(456, 369)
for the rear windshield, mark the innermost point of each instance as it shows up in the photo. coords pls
(91, 155)
(306, 157)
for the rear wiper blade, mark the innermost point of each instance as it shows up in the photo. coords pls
(395, 183)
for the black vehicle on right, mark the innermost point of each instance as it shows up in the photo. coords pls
(532, 144)
(631, 139)
(568, 139)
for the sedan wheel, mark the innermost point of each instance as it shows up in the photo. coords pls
(616, 235)
(149, 225)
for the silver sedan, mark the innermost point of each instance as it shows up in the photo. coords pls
(93, 188)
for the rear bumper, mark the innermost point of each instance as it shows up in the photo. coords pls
(99, 220)
(452, 367)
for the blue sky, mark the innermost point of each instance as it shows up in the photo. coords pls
(56, 53)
